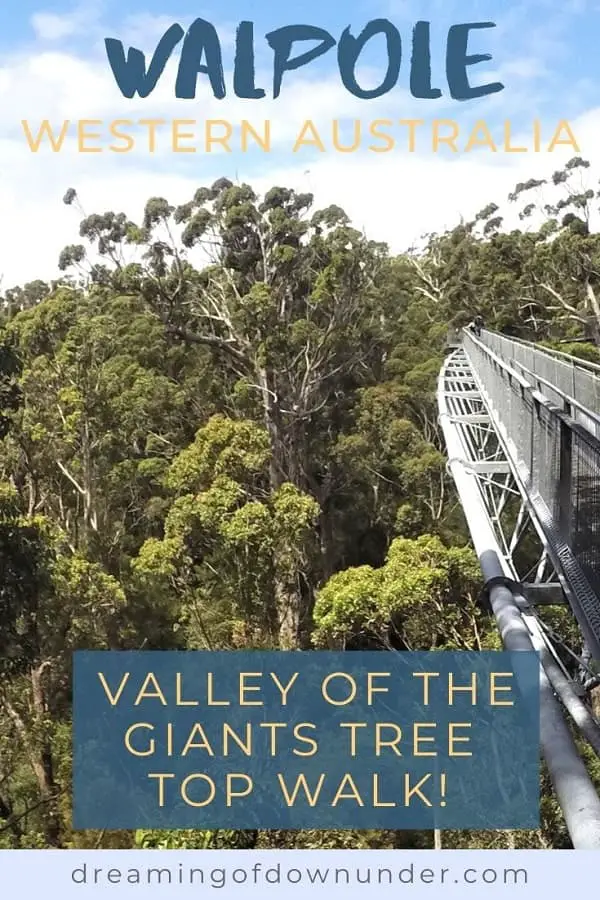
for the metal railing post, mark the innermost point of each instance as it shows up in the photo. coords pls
(565, 482)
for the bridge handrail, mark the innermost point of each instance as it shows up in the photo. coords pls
(568, 400)
(564, 377)
(577, 361)
(570, 404)
(575, 791)
(558, 461)
(501, 363)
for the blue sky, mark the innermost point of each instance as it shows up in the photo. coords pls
(544, 48)
(54, 66)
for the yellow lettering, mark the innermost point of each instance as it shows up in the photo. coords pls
(263, 142)
(355, 140)
(508, 138)
(302, 139)
(177, 136)
(306, 740)
(244, 688)
(480, 140)
(179, 701)
(504, 688)
(284, 690)
(412, 125)
(393, 742)
(203, 744)
(300, 782)
(209, 693)
(348, 678)
(246, 746)
(371, 689)
(230, 793)
(376, 801)
(449, 139)
(417, 738)
(216, 139)
(83, 136)
(113, 130)
(569, 140)
(273, 726)
(453, 739)
(113, 699)
(347, 780)
(353, 726)
(457, 689)
(198, 776)
(147, 694)
(387, 138)
(152, 125)
(45, 130)
(161, 784)
(426, 676)
(127, 741)
(416, 790)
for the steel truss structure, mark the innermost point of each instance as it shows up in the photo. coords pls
(523, 569)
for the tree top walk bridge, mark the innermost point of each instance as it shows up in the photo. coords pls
(522, 432)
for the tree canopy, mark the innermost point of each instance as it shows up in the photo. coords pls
(218, 430)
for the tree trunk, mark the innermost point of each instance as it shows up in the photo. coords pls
(289, 601)
(595, 698)
(7, 813)
(40, 757)
(90, 517)
(287, 598)
(44, 766)
(595, 307)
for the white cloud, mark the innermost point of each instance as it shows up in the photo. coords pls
(144, 30)
(50, 27)
(395, 196)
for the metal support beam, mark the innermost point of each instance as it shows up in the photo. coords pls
(464, 394)
(544, 594)
(491, 467)
(472, 419)
(575, 791)
(565, 482)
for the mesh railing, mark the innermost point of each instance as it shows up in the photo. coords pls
(557, 459)
(560, 377)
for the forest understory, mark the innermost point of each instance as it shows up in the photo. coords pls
(218, 430)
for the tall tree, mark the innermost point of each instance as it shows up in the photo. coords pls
(288, 301)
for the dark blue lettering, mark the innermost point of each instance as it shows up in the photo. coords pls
(130, 71)
(281, 41)
(420, 64)
(243, 66)
(458, 60)
(201, 38)
(350, 48)
(201, 54)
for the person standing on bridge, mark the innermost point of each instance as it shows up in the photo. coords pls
(477, 325)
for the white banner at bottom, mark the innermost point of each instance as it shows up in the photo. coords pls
(451, 874)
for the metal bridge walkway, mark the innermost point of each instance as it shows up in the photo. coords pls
(522, 433)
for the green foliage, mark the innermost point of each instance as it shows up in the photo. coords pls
(228, 536)
(423, 598)
(248, 454)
